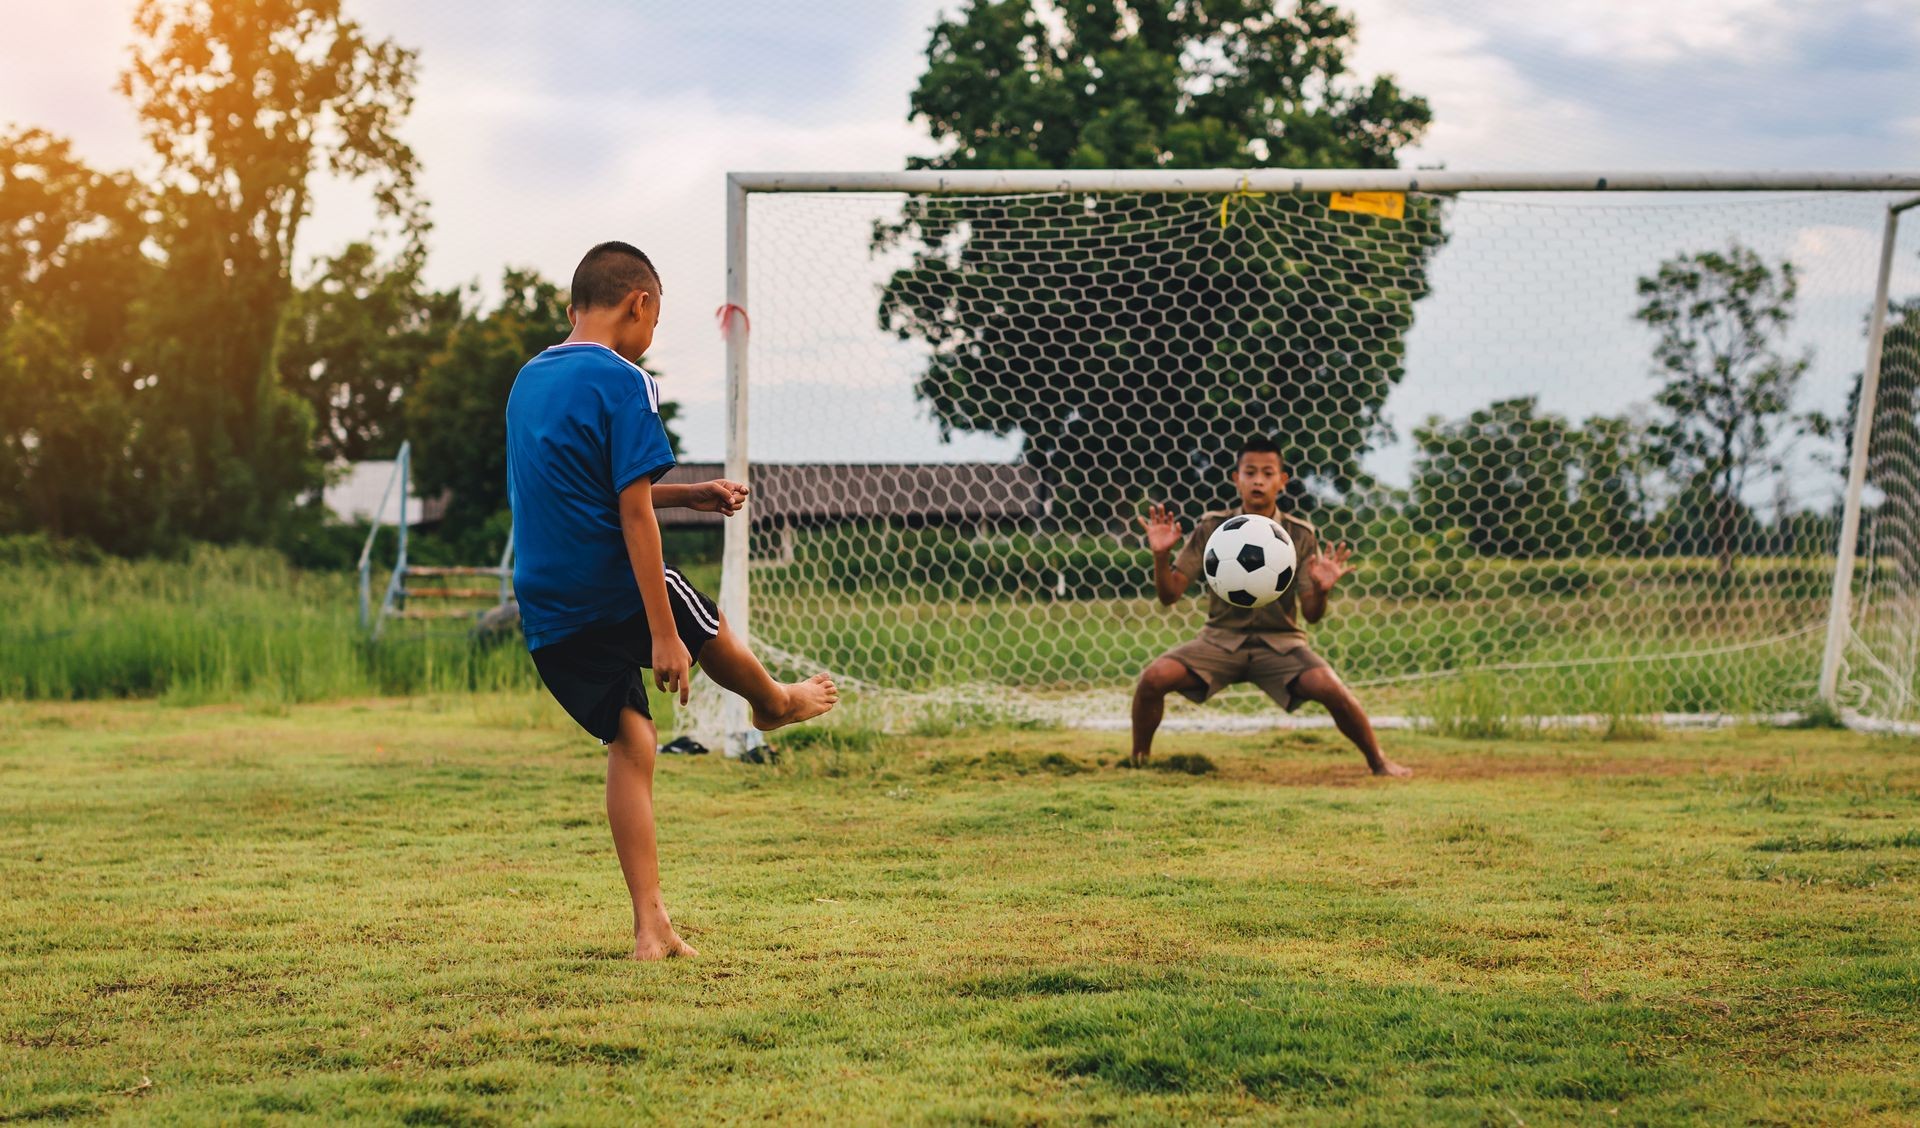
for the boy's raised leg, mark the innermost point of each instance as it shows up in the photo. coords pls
(774, 705)
(630, 815)
(1325, 686)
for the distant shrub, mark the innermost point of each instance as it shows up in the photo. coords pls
(23, 550)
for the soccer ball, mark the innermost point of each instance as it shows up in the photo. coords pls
(1250, 561)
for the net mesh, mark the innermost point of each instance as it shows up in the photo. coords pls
(1589, 451)
(1882, 671)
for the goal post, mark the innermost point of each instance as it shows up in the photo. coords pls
(1840, 607)
(1490, 392)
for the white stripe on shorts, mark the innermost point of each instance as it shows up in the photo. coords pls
(678, 583)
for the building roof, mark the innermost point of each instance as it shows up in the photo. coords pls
(799, 492)
(818, 491)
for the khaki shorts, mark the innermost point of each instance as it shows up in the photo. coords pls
(1272, 670)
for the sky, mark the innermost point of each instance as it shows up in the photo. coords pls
(545, 128)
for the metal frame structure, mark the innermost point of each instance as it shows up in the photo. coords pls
(394, 603)
(734, 596)
(403, 477)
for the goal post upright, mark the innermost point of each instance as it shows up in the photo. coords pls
(742, 186)
(1840, 605)
(734, 595)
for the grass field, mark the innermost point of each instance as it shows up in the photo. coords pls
(408, 911)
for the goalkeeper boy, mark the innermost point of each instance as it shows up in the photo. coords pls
(1263, 645)
(585, 450)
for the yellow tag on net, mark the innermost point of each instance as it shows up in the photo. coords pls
(1393, 205)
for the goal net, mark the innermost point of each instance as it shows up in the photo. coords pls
(1590, 450)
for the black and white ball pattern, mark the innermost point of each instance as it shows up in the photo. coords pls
(1250, 561)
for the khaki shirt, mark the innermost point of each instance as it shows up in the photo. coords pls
(1229, 627)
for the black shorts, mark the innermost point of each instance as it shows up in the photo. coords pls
(596, 673)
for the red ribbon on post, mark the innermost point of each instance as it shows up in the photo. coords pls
(725, 316)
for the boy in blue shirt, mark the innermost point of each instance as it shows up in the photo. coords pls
(585, 451)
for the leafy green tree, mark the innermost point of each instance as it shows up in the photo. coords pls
(1698, 517)
(73, 460)
(1896, 422)
(1131, 351)
(1615, 495)
(1506, 474)
(456, 414)
(1722, 316)
(1896, 431)
(356, 340)
(244, 103)
(1891, 470)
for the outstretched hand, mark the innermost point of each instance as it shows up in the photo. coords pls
(1327, 568)
(1163, 529)
(718, 496)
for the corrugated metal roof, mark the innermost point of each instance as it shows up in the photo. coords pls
(811, 491)
(817, 491)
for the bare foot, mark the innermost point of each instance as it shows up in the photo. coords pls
(1387, 767)
(805, 700)
(665, 947)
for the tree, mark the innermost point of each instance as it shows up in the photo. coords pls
(1506, 474)
(1891, 470)
(456, 414)
(1721, 317)
(73, 459)
(244, 102)
(356, 340)
(1896, 414)
(1896, 428)
(1698, 516)
(1615, 495)
(1131, 341)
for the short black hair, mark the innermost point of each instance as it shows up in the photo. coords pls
(610, 272)
(1259, 444)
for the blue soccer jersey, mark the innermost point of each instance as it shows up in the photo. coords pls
(583, 424)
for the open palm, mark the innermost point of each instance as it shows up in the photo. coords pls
(1163, 530)
(1327, 568)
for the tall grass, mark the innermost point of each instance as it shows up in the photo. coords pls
(224, 624)
(1052, 615)
(239, 624)
(1664, 652)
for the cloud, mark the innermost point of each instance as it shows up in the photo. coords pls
(1751, 32)
(1842, 262)
(1487, 114)
(58, 71)
(1584, 84)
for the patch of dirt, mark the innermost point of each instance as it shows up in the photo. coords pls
(1348, 770)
